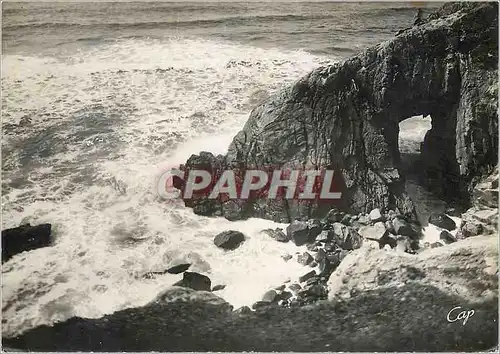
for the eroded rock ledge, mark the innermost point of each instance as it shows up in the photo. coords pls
(346, 117)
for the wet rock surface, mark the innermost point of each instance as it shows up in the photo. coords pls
(25, 238)
(229, 240)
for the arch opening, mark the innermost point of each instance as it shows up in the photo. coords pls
(427, 161)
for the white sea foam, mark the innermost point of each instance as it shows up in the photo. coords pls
(102, 126)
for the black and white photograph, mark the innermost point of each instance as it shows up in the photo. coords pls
(239, 176)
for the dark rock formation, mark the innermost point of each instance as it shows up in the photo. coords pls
(25, 238)
(346, 117)
(446, 237)
(218, 287)
(229, 240)
(443, 221)
(195, 281)
(180, 268)
(301, 232)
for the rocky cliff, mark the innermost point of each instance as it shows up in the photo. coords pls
(346, 117)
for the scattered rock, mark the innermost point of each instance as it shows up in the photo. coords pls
(287, 257)
(25, 238)
(305, 258)
(324, 236)
(277, 234)
(403, 227)
(389, 226)
(375, 215)
(306, 276)
(388, 240)
(320, 255)
(229, 240)
(280, 288)
(346, 237)
(364, 219)
(346, 220)
(334, 216)
(375, 232)
(218, 287)
(470, 229)
(443, 221)
(447, 237)
(298, 232)
(285, 295)
(436, 244)
(180, 268)
(195, 281)
(270, 296)
(243, 310)
(295, 287)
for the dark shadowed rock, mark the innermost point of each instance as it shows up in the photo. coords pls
(443, 221)
(218, 287)
(307, 276)
(446, 237)
(298, 232)
(195, 281)
(25, 238)
(229, 240)
(404, 228)
(180, 268)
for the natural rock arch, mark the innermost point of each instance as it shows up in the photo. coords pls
(346, 115)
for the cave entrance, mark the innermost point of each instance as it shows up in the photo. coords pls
(427, 197)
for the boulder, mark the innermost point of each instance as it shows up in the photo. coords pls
(277, 234)
(375, 232)
(270, 296)
(195, 281)
(436, 244)
(446, 237)
(404, 228)
(25, 238)
(305, 258)
(375, 215)
(307, 276)
(298, 232)
(470, 229)
(294, 287)
(324, 236)
(320, 255)
(443, 221)
(287, 257)
(346, 237)
(218, 287)
(180, 268)
(229, 240)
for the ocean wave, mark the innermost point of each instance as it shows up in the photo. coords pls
(232, 20)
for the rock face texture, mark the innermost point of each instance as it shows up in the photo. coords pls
(345, 117)
(467, 268)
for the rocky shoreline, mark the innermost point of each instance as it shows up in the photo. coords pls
(371, 282)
